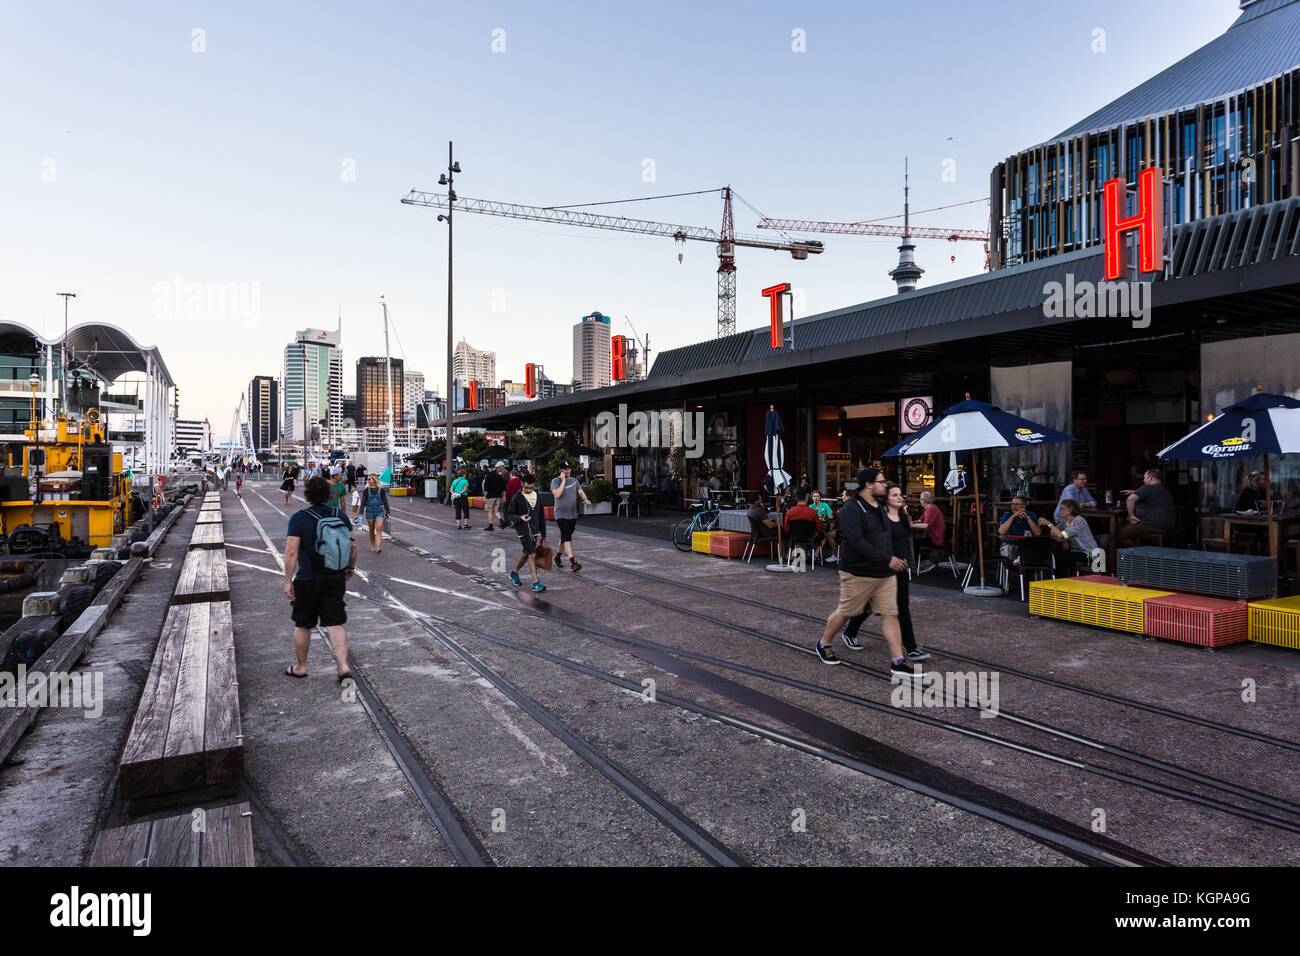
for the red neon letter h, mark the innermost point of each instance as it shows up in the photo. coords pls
(1149, 221)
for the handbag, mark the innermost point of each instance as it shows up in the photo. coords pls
(544, 557)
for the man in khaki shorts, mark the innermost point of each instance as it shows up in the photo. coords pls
(867, 568)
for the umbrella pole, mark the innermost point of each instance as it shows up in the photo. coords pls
(1268, 498)
(983, 590)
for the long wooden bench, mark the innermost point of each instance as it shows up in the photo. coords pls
(203, 577)
(209, 517)
(186, 738)
(219, 837)
(208, 536)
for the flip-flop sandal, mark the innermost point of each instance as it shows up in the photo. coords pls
(343, 677)
(290, 671)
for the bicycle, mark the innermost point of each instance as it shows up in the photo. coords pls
(704, 519)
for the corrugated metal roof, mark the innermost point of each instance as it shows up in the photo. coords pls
(1262, 233)
(1261, 43)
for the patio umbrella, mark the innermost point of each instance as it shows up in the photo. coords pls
(974, 426)
(1263, 424)
(774, 457)
(495, 453)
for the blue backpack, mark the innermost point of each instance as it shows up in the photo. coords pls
(333, 542)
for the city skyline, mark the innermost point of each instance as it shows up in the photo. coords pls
(89, 205)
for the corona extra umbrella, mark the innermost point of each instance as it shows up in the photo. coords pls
(975, 426)
(1263, 424)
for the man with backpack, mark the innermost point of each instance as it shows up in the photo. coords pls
(320, 557)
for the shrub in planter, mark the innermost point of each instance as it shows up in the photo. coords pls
(599, 489)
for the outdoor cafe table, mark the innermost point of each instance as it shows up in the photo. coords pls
(1258, 521)
(1110, 517)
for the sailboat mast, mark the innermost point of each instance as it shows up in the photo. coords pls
(388, 372)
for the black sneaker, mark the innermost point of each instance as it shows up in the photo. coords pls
(919, 653)
(851, 641)
(575, 567)
(826, 653)
(905, 669)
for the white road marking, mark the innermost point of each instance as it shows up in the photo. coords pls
(255, 567)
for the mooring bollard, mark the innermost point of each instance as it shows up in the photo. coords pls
(102, 554)
(41, 604)
(139, 550)
(79, 575)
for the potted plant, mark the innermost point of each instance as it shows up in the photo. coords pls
(600, 492)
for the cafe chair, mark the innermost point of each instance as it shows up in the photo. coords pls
(803, 535)
(1212, 538)
(1036, 557)
(756, 534)
(623, 510)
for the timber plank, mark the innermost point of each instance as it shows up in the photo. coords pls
(174, 841)
(140, 770)
(228, 837)
(223, 745)
(203, 577)
(182, 766)
(207, 536)
(122, 846)
(209, 517)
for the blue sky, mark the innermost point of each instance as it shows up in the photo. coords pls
(130, 159)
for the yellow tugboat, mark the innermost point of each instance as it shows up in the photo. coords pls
(63, 492)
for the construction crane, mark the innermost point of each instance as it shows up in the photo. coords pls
(725, 238)
(873, 229)
(644, 343)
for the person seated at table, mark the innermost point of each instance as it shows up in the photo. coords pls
(1019, 522)
(936, 529)
(800, 511)
(647, 481)
(1252, 497)
(1076, 491)
(1073, 529)
(826, 515)
(1150, 508)
(766, 525)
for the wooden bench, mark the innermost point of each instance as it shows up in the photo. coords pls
(186, 742)
(207, 536)
(210, 506)
(203, 577)
(219, 837)
(209, 517)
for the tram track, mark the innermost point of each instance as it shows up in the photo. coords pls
(1120, 753)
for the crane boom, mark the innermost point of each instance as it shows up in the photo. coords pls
(566, 217)
(867, 229)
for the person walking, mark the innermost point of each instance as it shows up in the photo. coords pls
(900, 536)
(315, 592)
(567, 492)
(239, 485)
(352, 476)
(530, 523)
(356, 504)
(287, 486)
(513, 487)
(460, 498)
(867, 571)
(338, 490)
(494, 489)
(374, 502)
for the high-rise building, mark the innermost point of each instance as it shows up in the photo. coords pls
(313, 383)
(412, 394)
(264, 412)
(189, 436)
(373, 383)
(470, 363)
(349, 411)
(591, 357)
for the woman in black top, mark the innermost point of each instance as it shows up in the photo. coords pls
(1251, 494)
(900, 535)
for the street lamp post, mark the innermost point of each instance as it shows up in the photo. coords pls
(448, 179)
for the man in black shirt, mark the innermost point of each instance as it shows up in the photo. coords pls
(1151, 507)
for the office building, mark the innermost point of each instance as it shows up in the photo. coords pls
(472, 364)
(374, 379)
(313, 384)
(591, 355)
(263, 412)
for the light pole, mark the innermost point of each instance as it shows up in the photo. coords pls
(448, 179)
(35, 382)
(63, 351)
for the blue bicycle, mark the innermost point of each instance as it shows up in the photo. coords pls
(704, 519)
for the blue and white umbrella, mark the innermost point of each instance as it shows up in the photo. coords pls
(973, 426)
(1263, 424)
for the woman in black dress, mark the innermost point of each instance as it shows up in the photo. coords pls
(287, 485)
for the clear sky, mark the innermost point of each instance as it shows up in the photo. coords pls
(271, 149)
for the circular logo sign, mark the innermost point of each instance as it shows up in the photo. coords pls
(916, 413)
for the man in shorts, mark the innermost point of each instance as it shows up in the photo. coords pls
(567, 492)
(316, 592)
(494, 489)
(867, 568)
(529, 519)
